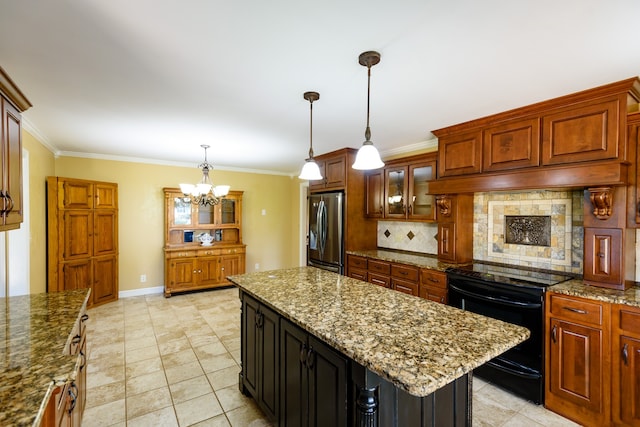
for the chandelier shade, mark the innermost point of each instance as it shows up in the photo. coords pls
(368, 156)
(310, 169)
(204, 193)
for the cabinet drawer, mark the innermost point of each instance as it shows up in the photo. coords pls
(405, 272)
(628, 319)
(576, 309)
(433, 293)
(357, 262)
(181, 254)
(219, 251)
(434, 279)
(357, 273)
(380, 280)
(380, 267)
(405, 286)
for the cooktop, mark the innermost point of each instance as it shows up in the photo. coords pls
(508, 275)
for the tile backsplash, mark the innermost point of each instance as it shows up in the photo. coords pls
(563, 254)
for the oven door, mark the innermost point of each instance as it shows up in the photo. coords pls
(520, 369)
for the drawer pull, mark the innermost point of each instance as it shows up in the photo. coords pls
(84, 317)
(575, 310)
(431, 279)
(303, 355)
(76, 339)
(625, 354)
(554, 333)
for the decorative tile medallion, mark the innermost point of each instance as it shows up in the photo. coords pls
(387, 233)
(528, 230)
(410, 235)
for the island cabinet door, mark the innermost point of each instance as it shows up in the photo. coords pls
(293, 376)
(327, 372)
(314, 381)
(260, 331)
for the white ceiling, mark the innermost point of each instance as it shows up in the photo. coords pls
(154, 79)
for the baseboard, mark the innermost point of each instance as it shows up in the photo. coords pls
(142, 291)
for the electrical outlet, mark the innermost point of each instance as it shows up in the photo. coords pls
(143, 278)
(257, 266)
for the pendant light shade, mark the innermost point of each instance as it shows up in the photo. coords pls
(368, 157)
(310, 170)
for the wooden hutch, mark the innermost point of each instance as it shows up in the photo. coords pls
(189, 265)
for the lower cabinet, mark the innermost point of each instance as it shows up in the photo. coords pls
(433, 285)
(189, 270)
(578, 359)
(314, 380)
(625, 358)
(260, 334)
(423, 282)
(67, 402)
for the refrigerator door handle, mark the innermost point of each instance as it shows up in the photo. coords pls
(322, 227)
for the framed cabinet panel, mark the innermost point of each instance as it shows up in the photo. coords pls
(583, 132)
(513, 145)
(77, 234)
(460, 154)
(374, 193)
(105, 275)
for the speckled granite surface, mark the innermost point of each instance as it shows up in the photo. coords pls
(416, 344)
(423, 261)
(34, 336)
(577, 288)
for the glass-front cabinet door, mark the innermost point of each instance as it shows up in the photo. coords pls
(181, 211)
(396, 192)
(421, 204)
(228, 211)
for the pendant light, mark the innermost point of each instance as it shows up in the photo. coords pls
(310, 170)
(368, 156)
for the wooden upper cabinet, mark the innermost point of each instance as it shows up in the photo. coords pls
(333, 171)
(512, 145)
(374, 193)
(395, 183)
(401, 189)
(460, 154)
(12, 104)
(421, 202)
(75, 194)
(584, 132)
(105, 196)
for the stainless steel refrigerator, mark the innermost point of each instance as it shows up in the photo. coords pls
(325, 246)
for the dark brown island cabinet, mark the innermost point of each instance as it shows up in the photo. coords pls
(299, 380)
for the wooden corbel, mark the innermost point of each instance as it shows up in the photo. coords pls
(443, 202)
(602, 201)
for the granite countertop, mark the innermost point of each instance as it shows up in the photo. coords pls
(417, 260)
(418, 345)
(35, 338)
(577, 288)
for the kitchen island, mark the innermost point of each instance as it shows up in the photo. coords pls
(320, 346)
(37, 345)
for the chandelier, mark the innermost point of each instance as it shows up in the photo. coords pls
(204, 193)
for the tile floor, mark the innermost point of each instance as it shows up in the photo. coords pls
(156, 361)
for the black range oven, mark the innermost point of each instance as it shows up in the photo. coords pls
(515, 296)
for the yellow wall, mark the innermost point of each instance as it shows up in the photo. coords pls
(41, 165)
(271, 239)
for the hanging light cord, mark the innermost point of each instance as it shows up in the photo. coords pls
(367, 132)
(311, 128)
